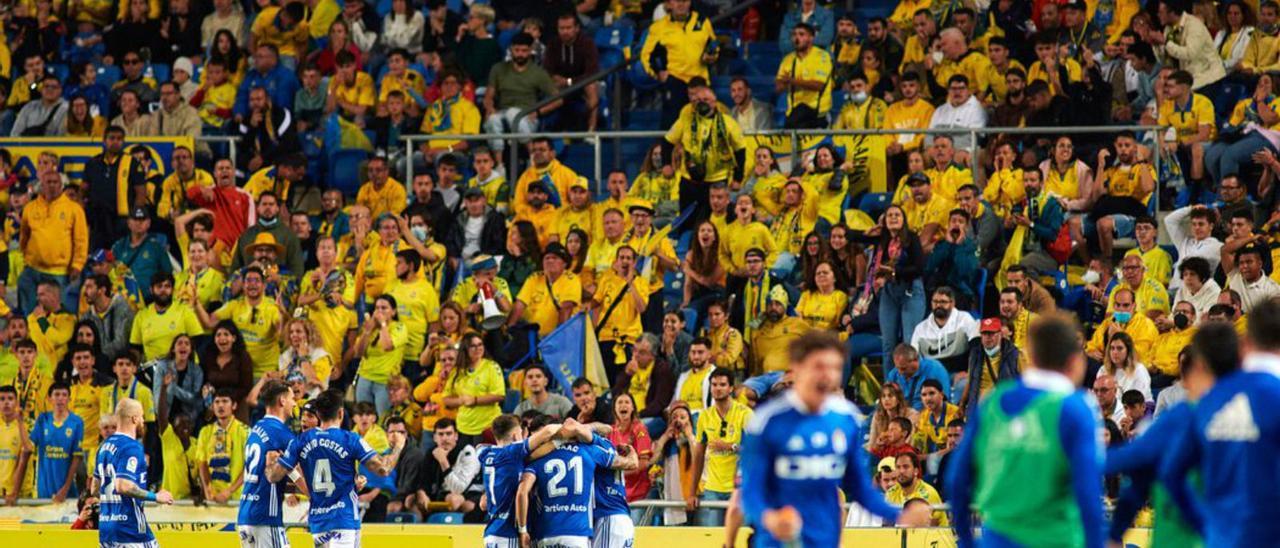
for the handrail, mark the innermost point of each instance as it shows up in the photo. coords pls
(603, 73)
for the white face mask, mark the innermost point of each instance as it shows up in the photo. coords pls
(1091, 277)
(991, 351)
(858, 97)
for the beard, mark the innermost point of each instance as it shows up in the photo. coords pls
(164, 300)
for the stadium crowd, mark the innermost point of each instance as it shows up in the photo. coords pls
(188, 283)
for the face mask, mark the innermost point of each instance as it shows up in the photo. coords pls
(941, 313)
(703, 109)
(991, 352)
(1181, 321)
(419, 232)
(858, 98)
(1270, 29)
(1091, 277)
(268, 222)
(1122, 317)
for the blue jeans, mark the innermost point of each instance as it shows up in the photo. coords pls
(860, 346)
(1223, 159)
(711, 517)
(374, 392)
(27, 283)
(901, 308)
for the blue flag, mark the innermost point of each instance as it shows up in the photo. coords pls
(571, 351)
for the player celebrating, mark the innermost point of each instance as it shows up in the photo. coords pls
(565, 489)
(613, 526)
(120, 474)
(1029, 459)
(1232, 441)
(502, 465)
(261, 522)
(800, 447)
(328, 456)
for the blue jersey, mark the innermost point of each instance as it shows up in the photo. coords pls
(328, 457)
(56, 444)
(794, 457)
(501, 467)
(260, 499)
(121, 520)
(611, 489)
(564, 490)
(1232, 442)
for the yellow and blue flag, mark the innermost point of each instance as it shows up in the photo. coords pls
(571, 352)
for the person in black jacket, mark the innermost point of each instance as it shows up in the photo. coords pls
(662, 382)
(899, 259)
(268, 133)
(990, 363)
(479, 229)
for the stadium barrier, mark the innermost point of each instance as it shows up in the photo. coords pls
(867, 154)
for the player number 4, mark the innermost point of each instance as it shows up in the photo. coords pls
(322, 478)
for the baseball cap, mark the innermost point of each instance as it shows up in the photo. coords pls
(1077, 5)
(990, 325)
(580, 182)
(537, 184)
(918, 179)
(139, 213)
(642, 205)
(887, 464)
(472, 192)
(559, 250)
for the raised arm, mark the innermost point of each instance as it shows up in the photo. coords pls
(383, 465)
(522, 506)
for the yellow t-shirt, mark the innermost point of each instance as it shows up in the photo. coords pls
(1065, 184)
(568, 218)
(391, 198)
(33, 393)
(376, 269)
(1127, 181)
(51, 333)
(260, 327)
(900, 115)
(1037, 72)
(155, 331)
(173, 192)
(379, 364)
(457, 116)
(648, 248)
(814, 66)
(830, 203)
(601, 254)
(639, 387)
(726, 347)
(722, 466)
(111, 395)
(268, 179)
(333, 324)
(1158, 262)
(1186, 119)
(222, 450)
(822, 311)
(217, 98)
(288, 42)
(895, 495)
(624, 322)
(738, 238)
(1005, 190)
(207, 285)
(691, 391)
(717, 156)
(418, 305)
(86, 403)
(360, 92)
(410, 83)
(177, 464)
(1150, 295)
(543, 220)
(484, 380)
(936, 210)
(11, 436)
(768, 193)
(541, 305)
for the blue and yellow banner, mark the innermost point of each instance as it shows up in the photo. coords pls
(571, 351)
(73, 153)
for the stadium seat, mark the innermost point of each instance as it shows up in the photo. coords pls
(108, 75)
(344, 170)
(874, 203)
(403, 517)
(159, 71)
(981, 286)
(445, 518)
(618, 36)
(60, 70)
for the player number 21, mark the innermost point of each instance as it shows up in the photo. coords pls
(557, 469)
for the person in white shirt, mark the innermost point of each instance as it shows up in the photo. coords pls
(962, 110)
(1242, 261)
(945, 334)
(1198, 286)
(1196, 242)
(1121, 363)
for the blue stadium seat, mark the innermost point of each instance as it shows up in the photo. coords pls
(108, 75)
(874, 203)
(160, 72)
(981, 287)
(445, 518)
(618, 36)
(403, 517)
(60, 70)
(505, 37)
(344, 170)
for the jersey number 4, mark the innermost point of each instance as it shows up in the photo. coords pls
(322, 478)
(558, 469)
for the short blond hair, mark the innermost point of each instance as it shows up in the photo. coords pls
(484, 12)
(128, 407)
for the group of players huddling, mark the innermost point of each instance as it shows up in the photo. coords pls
(1029, 461)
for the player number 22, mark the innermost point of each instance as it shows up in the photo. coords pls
(557, 469)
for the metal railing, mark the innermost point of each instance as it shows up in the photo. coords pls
(230, 140)
(596, 138)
